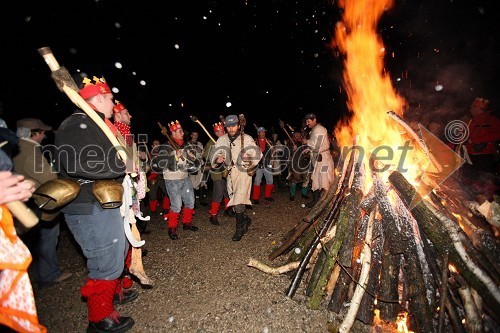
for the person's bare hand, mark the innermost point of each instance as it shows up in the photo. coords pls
(14, 187)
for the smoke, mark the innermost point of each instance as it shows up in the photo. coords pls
(446, 56)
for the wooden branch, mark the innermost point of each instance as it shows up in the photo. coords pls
(347, 215)
(363, 279)
(273, 270)
(305, 260)
(443, 233)
(196, 120)
(442, 294)
(473, 320)
(367, 306)
(68, 86)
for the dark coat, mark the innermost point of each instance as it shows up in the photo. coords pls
(83, 152)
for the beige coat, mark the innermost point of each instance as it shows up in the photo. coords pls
(239, 182)
(322, 175)
(31, 163)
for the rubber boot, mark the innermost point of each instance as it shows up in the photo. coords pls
(240, 227)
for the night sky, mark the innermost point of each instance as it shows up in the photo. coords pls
(269, 59)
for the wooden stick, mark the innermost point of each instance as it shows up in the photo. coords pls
(363, 278)
(282, 125)
(25, 215)
(473, 320)
(68, 86)
(273, 270)
(170, 140)
(196, 120)
(442, 293)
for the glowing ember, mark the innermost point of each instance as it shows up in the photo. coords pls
(371, 94)
(452, 268)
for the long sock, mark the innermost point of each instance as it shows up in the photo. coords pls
(293, 189)
(304, 190)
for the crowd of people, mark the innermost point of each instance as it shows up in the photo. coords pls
(230, 173)
(81, 180)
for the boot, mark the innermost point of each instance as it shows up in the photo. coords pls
(112, 324)
(123, 296)
(229, 212)
(314, 200)
(247, 221)
(187, 219)
(101, 313)
(213, 219)
(152, 205)
(172, 233)
(255, 194)
(173, 221)
(268, 192)
(240, 227)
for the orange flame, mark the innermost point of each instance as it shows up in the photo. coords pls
(401, 322)
(369, 88)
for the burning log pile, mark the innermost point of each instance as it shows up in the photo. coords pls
(384, 258)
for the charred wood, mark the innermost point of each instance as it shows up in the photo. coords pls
(333, 191)
(339, 296)
(348, 215)
(443, 233)
(401, 239)
(388, 297)
(473, 321)
(327, 223)
(444, 291)
(389, 219)
(417, 293)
